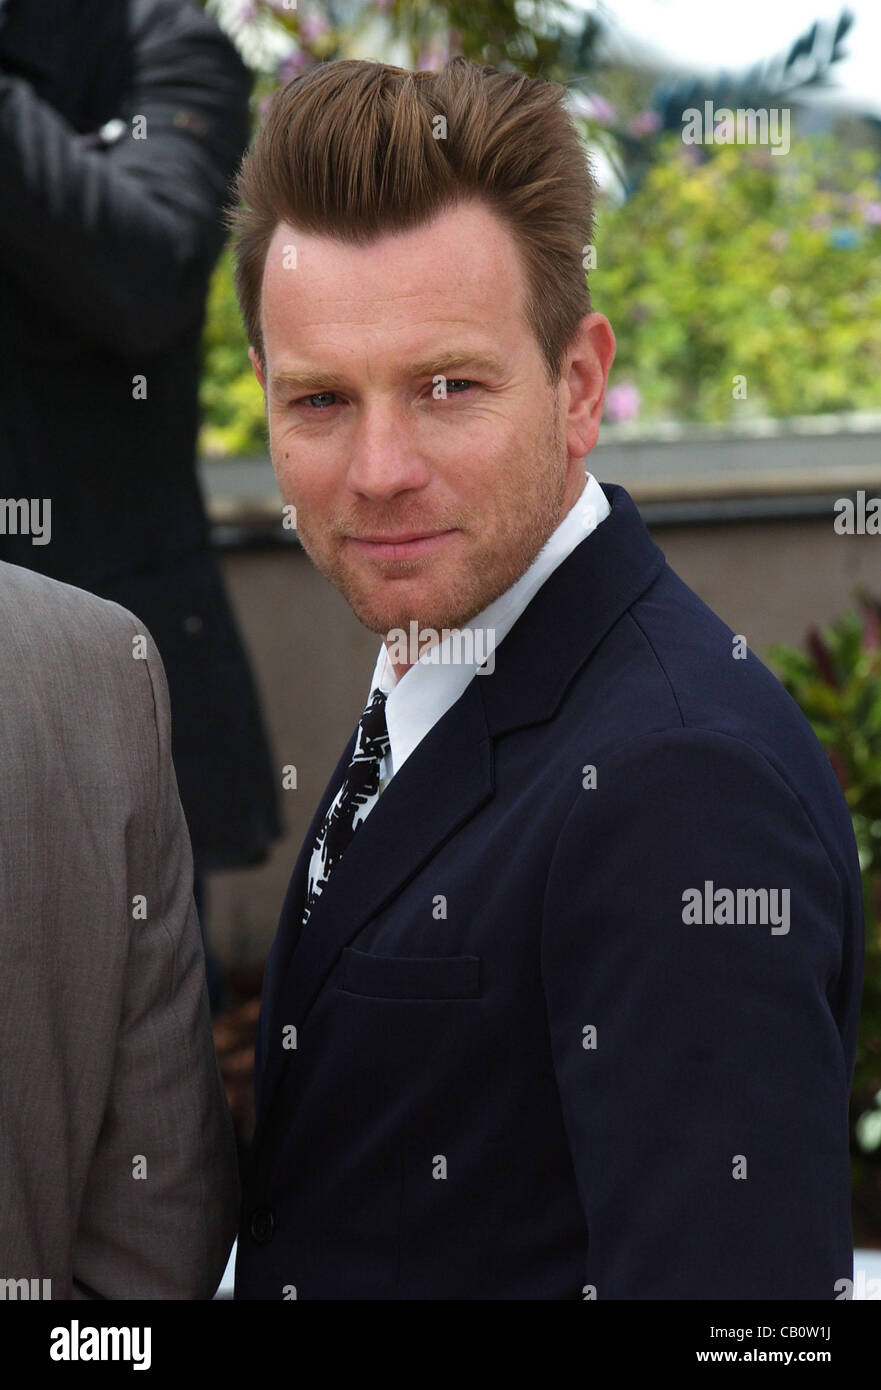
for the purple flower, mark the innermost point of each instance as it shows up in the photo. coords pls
(645, 123)
(872, 214)
(602, 110)
(292, 65)
(312, 27)
(434, 55)
(623, 402)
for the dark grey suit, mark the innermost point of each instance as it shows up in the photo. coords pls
(118, 1173)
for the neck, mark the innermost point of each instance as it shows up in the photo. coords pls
(574, 489)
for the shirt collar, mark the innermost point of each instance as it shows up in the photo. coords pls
(433, 684)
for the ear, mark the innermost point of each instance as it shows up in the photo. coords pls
(258, 367)
(589, 361)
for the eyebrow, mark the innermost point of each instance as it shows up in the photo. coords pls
(438, 364)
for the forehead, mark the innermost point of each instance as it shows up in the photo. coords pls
(463, 268)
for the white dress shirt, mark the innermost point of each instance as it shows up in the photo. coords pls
(432, 684)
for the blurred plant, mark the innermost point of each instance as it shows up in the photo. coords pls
(233, 415)
(638, 103)
(278, 38)
(836, 681)
(622, 402)
(741, 264)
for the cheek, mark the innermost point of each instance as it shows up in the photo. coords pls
(301, 468)
(292, 485)
(483, 467)
(293, 444)
(302, 486)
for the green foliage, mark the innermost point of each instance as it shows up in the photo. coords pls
(729, 261)
(233, 417)
(836, 681)
(521, 34)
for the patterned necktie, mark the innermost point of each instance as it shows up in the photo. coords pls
(353, 802)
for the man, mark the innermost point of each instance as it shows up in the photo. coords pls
(118, 1169)
(121, 125)
(563, 1000)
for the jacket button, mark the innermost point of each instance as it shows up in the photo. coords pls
(263, 1225)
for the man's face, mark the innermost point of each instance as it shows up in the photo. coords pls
(372, 454)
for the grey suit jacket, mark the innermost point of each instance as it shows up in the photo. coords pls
(118, 1172)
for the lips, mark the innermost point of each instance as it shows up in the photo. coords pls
(406, 545)
(399, 539)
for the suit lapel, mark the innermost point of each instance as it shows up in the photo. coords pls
(403, 831)
(288, 932)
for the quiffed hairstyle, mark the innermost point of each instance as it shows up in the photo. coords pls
(349, 150)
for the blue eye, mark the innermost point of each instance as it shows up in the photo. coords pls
(455, 386)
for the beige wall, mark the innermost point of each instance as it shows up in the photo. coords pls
(313, 660)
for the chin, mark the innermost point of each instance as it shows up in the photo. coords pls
(381, 617)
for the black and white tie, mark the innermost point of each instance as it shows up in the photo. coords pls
(353, 802)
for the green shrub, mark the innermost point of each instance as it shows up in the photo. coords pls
(746, 264)
(836, 681)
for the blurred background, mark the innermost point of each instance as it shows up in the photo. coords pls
(743, 283)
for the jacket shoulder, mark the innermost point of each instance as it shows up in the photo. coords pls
(179, 22)
(57, 635)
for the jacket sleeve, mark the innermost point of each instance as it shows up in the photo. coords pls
(707, 1113)
(160, 1208)
(119, 239)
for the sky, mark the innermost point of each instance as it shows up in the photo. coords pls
(709, 35)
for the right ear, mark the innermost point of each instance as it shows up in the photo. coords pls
(258, 367)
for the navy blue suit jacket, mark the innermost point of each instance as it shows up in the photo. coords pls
(506, 1059)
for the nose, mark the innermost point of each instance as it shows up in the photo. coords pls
(385, 452)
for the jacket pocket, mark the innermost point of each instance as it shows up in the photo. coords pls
(409, 977)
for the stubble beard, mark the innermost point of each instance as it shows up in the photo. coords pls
(521, 529)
